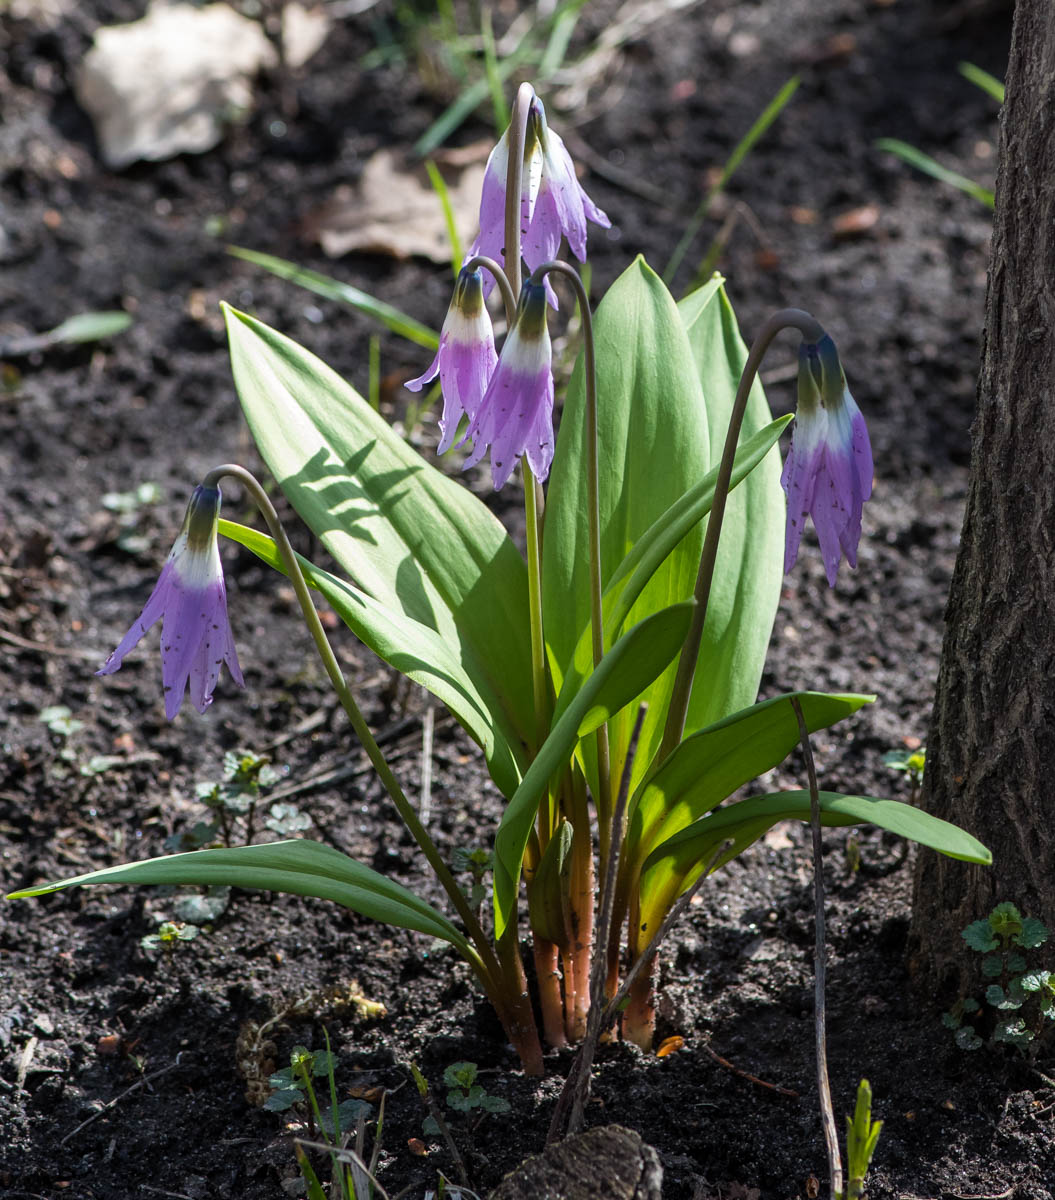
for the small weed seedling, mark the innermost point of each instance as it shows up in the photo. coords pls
(466, 1095)
(1021, 993)
(167, 935)
(910, 763)
(295, 1090)
(246, 777)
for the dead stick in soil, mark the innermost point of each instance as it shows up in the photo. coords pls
(576, 1090)
(127, 1092)
(773, 1087)
(831, 1136)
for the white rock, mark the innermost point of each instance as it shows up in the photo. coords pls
(304, 30)
(169, 83)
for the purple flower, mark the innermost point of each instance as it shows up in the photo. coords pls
(466, 358)
(828, 471)
(515, 416)
(190, 594)
(552, 202)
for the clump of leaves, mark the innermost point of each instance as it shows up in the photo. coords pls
(464, 1094)
(234, 802)
(293, 1088)
(167, 935)
(1022, 994)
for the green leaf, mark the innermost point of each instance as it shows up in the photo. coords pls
(1034, 933)
(418, 543)
(992, 965)
(283, 1100)
(676, 863)
(415, 649)
(654, 446)
(711, 764)
(749, 567)
(967, 1039)
(979, 936)
(343, 293)
(623, 673)
(348, 1113)
(650, 550)
(460, 1074)
(301, 868)
(495, 1104)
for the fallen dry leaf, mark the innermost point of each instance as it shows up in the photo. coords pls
(395, 211)
(857, 221)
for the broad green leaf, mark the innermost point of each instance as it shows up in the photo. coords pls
(299, 867)
(626, 669)
(343, 293)
(749, 568)
(676, 863)
(710, 765)
(416, 650)
(654, 447)
(415, 541)
(657, 542)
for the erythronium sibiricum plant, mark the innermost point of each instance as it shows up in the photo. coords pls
(610, 676)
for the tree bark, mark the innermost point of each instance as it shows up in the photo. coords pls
(991, 750)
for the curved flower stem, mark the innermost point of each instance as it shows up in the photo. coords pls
(793, 318)
(533, 501)
(604, 801)
(509, 299)
(488, 967)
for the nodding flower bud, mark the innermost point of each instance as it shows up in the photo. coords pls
(552, 202)
(190, 594)
(515, 416)
(828, 471)
(466, 358)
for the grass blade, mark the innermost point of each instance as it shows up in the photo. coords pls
(982, 79)
(343, 293)
(740, 151)
(933, 168)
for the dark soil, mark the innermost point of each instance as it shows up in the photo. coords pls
(85, 1013)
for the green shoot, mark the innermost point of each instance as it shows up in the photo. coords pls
(982, 79)
(344, 293)
(933, 168)
(862, 1134)
(495, 82)
(439, 186)
(742, 149)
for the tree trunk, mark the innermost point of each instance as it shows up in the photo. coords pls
(991, 750)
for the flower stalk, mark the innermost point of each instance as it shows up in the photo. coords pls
(488, 967)
(794, 318)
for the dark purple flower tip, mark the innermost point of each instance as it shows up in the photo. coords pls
(515, 417)
(466, 358)
(191, 597)
(828, 470)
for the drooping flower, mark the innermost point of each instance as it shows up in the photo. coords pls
(828, 471)
(466, 358)
(190, 594)
(515, 416)
(552, 201)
